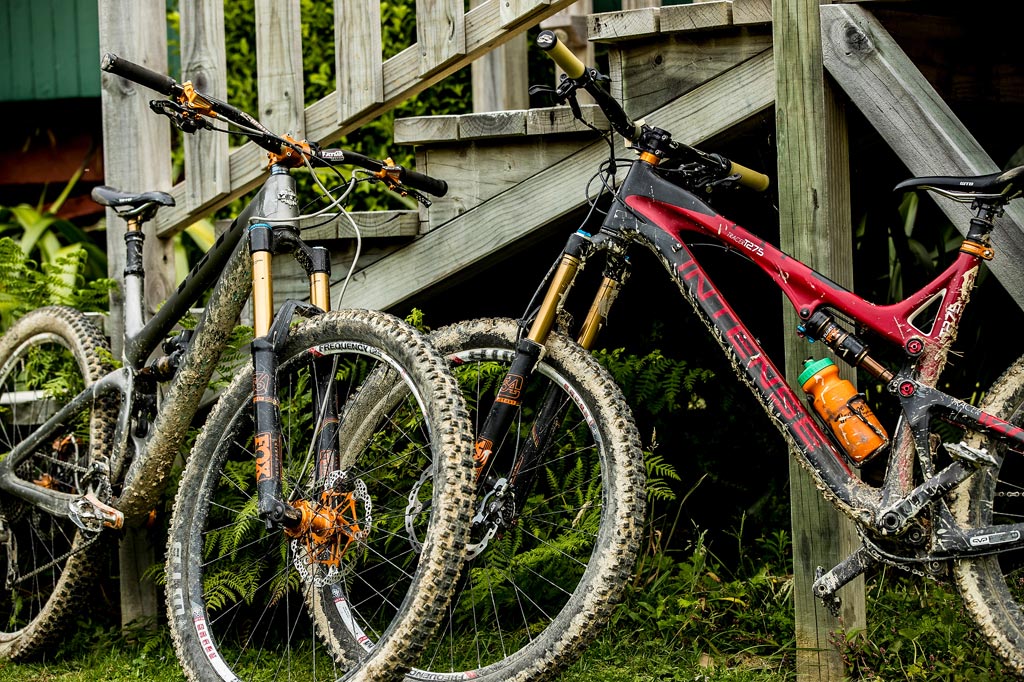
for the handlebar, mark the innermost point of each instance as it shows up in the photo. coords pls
(640, 134)
(193, 108)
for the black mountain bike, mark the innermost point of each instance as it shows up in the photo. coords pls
(303, 529)
(559, 466)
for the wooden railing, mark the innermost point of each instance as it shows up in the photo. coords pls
(447, 39)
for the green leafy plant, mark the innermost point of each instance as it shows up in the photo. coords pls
(25, 285)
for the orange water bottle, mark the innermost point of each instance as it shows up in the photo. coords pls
(844, 410)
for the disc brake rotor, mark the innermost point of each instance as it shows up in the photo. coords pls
(329, 527)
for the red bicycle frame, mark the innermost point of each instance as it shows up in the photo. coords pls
(661, 215)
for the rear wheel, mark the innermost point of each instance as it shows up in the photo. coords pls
(993, 586)
(358, 591)
(46, 358)
(553, 545)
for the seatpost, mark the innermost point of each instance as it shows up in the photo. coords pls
(134, 275)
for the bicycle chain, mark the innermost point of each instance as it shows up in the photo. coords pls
(100, 486)
(12, 557)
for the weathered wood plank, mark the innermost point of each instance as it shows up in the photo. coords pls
(492, 124)
(556, 120)
(279, 85)
(514, 11)
(491, 226)
(650, 73)
(696, 16)
(440, 33)
(358, 56)
(500, 81)
(137, 33)
(814, 227)
(426, 129)
(432, 130)
(745, 12)
(624, 25)
(477, 172)
(371, 225)
(204, 62)
(912, 118)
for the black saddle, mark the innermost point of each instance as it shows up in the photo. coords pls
(1002, 186)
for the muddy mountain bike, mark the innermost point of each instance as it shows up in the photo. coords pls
(558, 464)
(300, 525)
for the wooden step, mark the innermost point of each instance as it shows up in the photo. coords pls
(482, 155)
(610, 27)
(657, 53)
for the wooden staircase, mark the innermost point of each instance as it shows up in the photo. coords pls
(697, 70)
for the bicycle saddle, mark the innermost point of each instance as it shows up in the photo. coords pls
(1005, 184)
(109, 196)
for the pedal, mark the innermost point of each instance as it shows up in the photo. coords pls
(89, 514)
(827, 584)
(976, 456)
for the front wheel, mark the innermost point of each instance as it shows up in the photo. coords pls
(993, 586)
(553, 542)
(357, 591)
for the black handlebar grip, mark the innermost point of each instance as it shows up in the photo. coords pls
(424, 182)
(562, 55)
(165, 85)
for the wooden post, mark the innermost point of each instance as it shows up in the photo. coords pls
(815, 227)
(136, 157)
(500, 78)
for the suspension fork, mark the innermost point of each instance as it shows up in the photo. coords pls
(528, 351)
(551, 410)
(523, 470)
(270, 332)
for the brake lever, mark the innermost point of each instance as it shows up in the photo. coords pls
(565, 92)
(186, 120)
(403, 190)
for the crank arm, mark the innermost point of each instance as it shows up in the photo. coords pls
(894, 519)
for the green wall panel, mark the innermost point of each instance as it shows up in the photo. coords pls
(49, 49)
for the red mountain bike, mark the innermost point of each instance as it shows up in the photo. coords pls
(560, 484)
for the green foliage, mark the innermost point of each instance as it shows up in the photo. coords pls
(917, 630)
(655, 382)
(25, 285)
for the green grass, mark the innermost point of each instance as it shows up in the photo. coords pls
(687, 616)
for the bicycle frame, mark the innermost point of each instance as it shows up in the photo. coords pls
(232, 269)
(652, 211)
